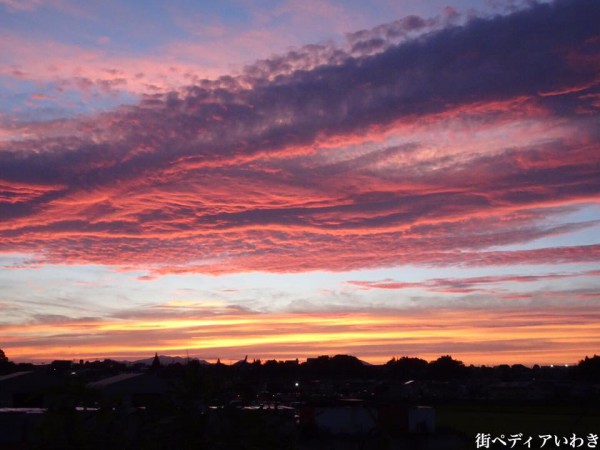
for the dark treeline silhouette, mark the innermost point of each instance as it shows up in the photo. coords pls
(444, 368)
(193, 404)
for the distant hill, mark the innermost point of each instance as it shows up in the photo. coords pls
(167, 360)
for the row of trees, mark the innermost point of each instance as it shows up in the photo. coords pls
(344, 366)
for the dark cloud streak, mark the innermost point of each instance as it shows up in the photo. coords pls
(226, 167)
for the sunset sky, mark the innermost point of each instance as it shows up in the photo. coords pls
(282, 179)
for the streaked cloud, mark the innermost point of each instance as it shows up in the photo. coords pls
(461, 143)
(482, 337)
(335, 166)
(467, 285)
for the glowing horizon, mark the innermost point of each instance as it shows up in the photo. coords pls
(293, 179)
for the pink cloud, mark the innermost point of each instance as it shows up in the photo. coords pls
(481, 337)
(467, 285)
(21, 5)
(352, 162)
(21, 193)
(76, 67)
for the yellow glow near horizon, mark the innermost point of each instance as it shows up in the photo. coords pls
(478, 337)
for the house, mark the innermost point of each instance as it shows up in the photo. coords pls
(9, 386)
(131, 389)
(32, 389)
(356, 417)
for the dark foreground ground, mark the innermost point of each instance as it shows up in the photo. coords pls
(326, 403)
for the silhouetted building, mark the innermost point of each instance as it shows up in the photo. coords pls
(37, 389)
(155, 362)
(355, 417)
(131, 389)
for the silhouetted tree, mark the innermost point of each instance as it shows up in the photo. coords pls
(346, 365)
(338, 366)
(447, 368)
(5, 364)
(407, 368)
(589, 368)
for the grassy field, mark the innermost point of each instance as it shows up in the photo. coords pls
(529, 420)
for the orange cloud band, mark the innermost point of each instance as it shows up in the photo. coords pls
(475, 336)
